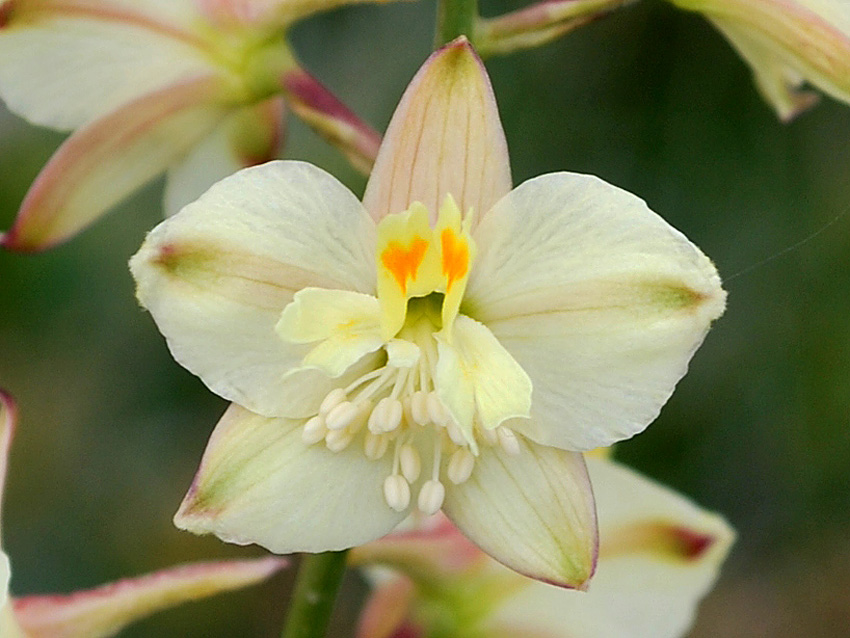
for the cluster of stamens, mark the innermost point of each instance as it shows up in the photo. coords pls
(397, 408)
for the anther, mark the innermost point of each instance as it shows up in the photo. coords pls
(397, 492)
(419, 408)
(508, 441)
(342, 415)
(338, 440)
(411, 465)
(375, 446)
(431, 497)
(333, 399)
(314, 430)
(436, 412)
(460, 466)
(454, 432)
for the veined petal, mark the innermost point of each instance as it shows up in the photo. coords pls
(346, 324)
(659, 555)
(533, 512)
(105, 610)
(64, 64)
(599, 300)
(444, 138)
(217, 276)
(102, 163)
(251, 135)
(785, 43)
(476, 376)
(260, 483)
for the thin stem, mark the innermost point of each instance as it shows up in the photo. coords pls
(316, 587)
(455, 18)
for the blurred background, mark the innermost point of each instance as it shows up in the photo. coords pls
(650, 99)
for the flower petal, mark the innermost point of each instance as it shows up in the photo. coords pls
(8, 422)
(659, 556)
(249, 136)
(217, 276)
(444, 138)
(260, 483)
(65, 64)
(385, 613)
(347, 325)
(105, 610)
(599, 300)
(532, 511)
(475, 375)
(102, 163)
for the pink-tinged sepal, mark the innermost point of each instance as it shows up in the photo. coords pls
(8, 423)
(445, 138)
(102, 163)
(385, 613)
(107, 609)
(331, 119)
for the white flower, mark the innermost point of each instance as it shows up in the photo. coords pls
(449, 343)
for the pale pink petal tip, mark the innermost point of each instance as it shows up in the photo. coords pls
(8, 423)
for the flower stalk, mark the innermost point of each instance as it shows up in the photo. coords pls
(454, 19)
(316, 587)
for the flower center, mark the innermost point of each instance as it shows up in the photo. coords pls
(395, 409)
(445, 385)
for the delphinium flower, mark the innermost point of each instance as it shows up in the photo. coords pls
(196, 88)
(105, 610)
(787, 43)
(659, 555)
(448, 344)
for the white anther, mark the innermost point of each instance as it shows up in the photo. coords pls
(397, 492)
(338, 440)
(460, 466)
(454, 432)
(411, 465)
(490, 437)
(342, 415)
(431, 497)
(419, 408)
(391, 415)
(436, 411)
(508, 441)
(314, 430)
(375, 446)
(333, 399)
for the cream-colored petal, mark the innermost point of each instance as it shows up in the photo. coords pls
(476, 375)
(217, 276)
(599, 300)
(250, 135)
(786, 43)
(260, 483)
(342, 326)
(533, 512)
(106, 610)
(659, 555)
(444, 138)
(66, 64)
(102, 163)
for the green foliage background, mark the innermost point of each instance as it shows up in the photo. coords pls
(650, 99)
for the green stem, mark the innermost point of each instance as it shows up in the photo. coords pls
(316, 586)
(455, 18)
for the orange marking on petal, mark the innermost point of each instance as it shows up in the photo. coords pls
(455, 257)
(404, 263)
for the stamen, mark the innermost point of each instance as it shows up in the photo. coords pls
(508, 440)
(431, 497)
(342, 415)
(419, 408)
(314, 430)
(375, 446)
(338, 440)
(461, 465)
(454, 432)
(436, 412)
(397, 492)
(410, 463)
(333, 399)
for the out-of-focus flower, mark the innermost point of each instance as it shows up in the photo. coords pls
(193, 87)
(787, 43)
(659, 555)
(105, 610)
(450, 343)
